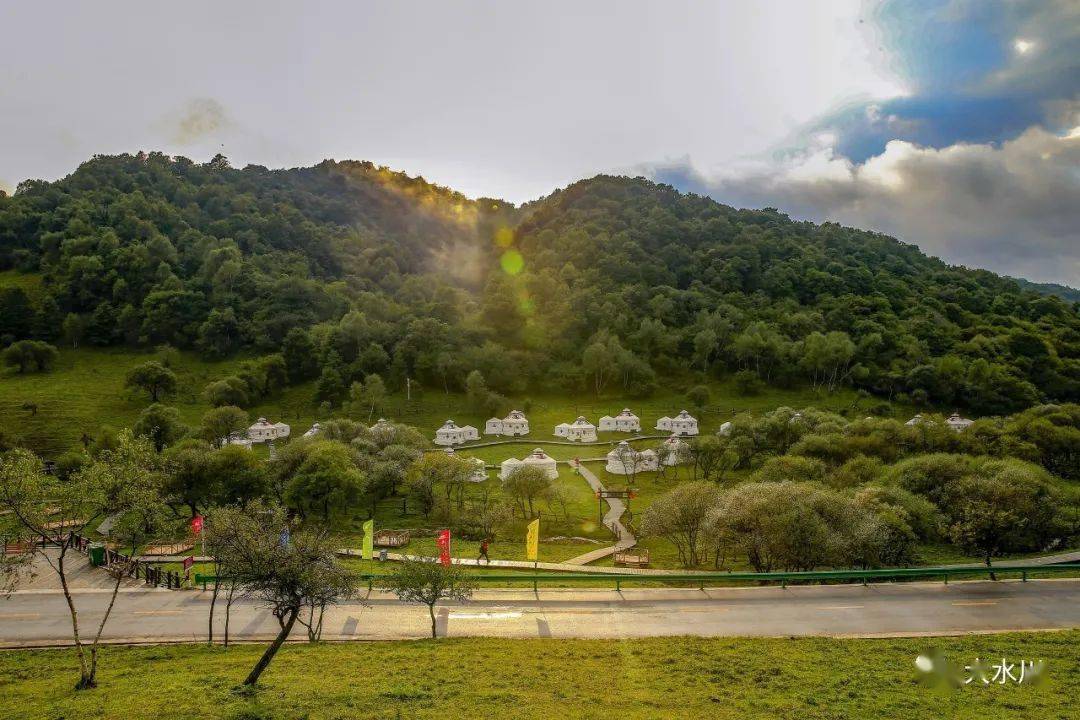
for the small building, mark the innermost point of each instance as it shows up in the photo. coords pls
(581, 430)
(314, 430)
(479, 473)
(958, 423)
(238, 439)
(918, 420)
(451, 434)
(537, 458)
(681, 424)
(625, 421)
(625, 460)
(265, 431)
(676, 451)
(514, 424)
(725, 429)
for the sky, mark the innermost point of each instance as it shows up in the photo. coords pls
(951, 124)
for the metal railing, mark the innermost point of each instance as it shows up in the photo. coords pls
(701, 579)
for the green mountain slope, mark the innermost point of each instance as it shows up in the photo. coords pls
(610, 283)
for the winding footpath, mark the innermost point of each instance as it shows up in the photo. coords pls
(612, 520)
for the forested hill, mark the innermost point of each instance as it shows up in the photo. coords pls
(610, 283)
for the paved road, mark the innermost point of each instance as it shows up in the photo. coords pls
(40, 617)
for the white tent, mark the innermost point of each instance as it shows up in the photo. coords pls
(239, 439)
(264, 431)
(681, 424)
(479, 473)
(625, 421)
(513, 424)
(625, 460)
(451, 434)
(958, 423)
(537, 458)
(677, 451)
(918, 420)
(314, 430)
(581, 430)
(725, 429)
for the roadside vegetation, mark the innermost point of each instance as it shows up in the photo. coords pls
(492, 678)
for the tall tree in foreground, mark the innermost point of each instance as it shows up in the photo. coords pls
(286, 569)
(122, 482)
(428, 582)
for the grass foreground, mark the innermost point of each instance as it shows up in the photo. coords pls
(496, 678)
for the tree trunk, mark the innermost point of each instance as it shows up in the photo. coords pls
(228, 609)
(264, 661)
(101, 627)
(213, 602)
(993, 576)
(431, 611)
(85, 679)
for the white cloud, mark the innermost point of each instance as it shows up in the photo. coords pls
(1011, 208)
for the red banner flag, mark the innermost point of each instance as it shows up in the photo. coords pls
(443, 543)
(196, 524)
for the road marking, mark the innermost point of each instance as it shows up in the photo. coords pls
(158, 612)
(484, 616)
(840, 607)
(972, 603)
(20, 616)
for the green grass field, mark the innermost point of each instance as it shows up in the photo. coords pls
(86, 390)
(491, 678)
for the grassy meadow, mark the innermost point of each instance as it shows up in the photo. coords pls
(495, 678)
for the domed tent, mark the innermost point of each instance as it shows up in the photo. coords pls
(265, 431)
(625, 460)
(625, 421)
(451, 434)
(676, 451)
(580, 430)
(958, 423)
(537, 458)
(682, 424)
(513, 424)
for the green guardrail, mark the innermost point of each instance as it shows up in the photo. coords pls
(783, 578)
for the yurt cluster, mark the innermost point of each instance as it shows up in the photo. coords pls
(580, 430)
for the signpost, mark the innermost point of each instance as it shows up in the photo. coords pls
(188, 562)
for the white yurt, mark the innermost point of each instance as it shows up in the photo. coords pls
(625, 421)
(314, 430)
(677, 451)
(682, 424)
(625, 460)
(725, 429)
(537, 458)
(451, 434)
(958, 423)
(513, 424)
(264, 431)
(581, 430)
(479, 473)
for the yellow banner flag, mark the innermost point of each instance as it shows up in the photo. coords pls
(532, 540)
(369, 539)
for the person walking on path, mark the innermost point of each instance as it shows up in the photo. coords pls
(484, 551)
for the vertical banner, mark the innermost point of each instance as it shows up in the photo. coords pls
(369, 539)
(196, 524)
(532, 540)
(443, 542)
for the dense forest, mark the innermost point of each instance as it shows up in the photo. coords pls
(350, 270)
